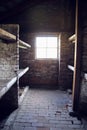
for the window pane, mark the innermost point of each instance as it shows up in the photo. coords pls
(46, 47)
(51, 52)
(41, 42)
(52, 42)
(41, 53)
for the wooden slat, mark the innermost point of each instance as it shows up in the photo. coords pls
(6, 36)
(71, 67)
(72, 38)
(23, 94)
(85, 76)
(6, 86)
(23, 47)
(24, 43)
(22, 72)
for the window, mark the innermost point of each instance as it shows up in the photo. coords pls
(46, 47)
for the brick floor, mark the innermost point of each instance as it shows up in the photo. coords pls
(44, 110)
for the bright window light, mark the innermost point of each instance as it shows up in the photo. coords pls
(46, 47)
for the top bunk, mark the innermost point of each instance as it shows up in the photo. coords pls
(72, 38)
(5, 35)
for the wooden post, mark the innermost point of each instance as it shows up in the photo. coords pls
(77, 60)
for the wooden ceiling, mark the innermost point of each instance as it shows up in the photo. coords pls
(14, 7)
(11, 7)
(6, 5)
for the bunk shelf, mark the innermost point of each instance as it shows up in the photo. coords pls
(24, 43)
(5, 85)
(22, 47)
(71, 67)
(85, 76)
(8, 36)
(22, 72)
(72, 38)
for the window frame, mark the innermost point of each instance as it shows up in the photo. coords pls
(57, 36)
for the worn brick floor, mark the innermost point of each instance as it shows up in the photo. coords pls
(44, 110)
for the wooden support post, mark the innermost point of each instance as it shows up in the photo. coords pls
(77, 61)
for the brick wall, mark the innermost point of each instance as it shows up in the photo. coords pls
(48, 72)
(53, 16)
(42, 72)
(84, 67)
(66, 58)
(7, 60)
(9, 57)
(83, 28)
(9, 65)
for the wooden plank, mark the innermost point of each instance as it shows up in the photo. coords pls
(24, 43)
(77, 61)
(6, 36)
(22, 72)
(71, 67)
(6, 86)
(72, 38)
(85, 76)
(23, 94)
(23, 47)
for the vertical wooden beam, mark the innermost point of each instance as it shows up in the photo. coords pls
(77, 61)
(17, 40)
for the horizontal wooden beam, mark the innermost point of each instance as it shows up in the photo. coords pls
(6, 86)
(85, 76)
(71, 67)
(72, 38)
(24, 43)
(22, 72)
(8, 36)
(23, 47)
